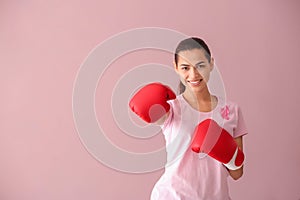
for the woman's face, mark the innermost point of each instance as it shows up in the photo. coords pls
(194, 69)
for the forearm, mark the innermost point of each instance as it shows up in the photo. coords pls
(214, 140)
(236, 174)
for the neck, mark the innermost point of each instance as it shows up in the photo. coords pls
(201, 96)
(202, 101)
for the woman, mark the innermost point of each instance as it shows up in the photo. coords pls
(188, 175)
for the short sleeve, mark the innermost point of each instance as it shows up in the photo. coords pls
(240, 128)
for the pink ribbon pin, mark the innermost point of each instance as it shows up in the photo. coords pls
(225, 112)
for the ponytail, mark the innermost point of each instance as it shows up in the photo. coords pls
(181, 88)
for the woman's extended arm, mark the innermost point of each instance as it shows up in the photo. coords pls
(236, 174)
(162, 120)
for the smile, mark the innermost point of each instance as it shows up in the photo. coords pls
(195, 83)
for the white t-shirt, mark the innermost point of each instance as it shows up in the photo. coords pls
(188, 175)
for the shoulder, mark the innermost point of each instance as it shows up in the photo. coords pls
(229, 102)
(175, 104)
(232, 113)
(174, 109)
(233, 108)
(228, 108)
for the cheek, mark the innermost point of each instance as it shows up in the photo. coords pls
(205, 74)
(182, 77)
(207, 77)
(182, 74)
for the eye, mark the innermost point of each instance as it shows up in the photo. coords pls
(184, 68)
(200, 65)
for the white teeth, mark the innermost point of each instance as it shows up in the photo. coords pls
(194, 82)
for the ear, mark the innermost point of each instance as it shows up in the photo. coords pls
(212, 63)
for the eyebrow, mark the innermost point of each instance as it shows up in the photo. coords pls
(200, 63)
(186, 65)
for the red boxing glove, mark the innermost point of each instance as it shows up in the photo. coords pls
(150, 102)
(212, 139)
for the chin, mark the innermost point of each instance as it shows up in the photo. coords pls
(197, 89)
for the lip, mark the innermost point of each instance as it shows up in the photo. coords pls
(195, 83)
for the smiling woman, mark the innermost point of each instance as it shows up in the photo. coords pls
(199, 54)
(203, 132)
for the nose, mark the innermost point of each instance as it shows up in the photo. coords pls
(194, 73)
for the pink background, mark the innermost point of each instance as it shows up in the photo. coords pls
(42, 45)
